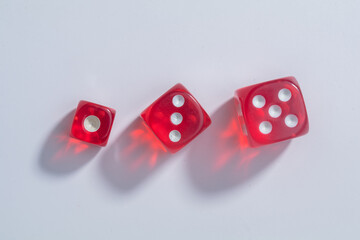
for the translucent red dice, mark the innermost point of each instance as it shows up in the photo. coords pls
(92, 123)
(176, 118)
(272, 111)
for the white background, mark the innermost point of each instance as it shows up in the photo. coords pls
(125, 54)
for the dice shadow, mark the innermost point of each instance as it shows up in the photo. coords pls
(133, 157)
(62, 154)
(220, 159)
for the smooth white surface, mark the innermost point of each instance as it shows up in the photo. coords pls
(275, 111)
(92, 123)
(291, 120)
(176, 118)
(284, 95)
(265, 127)
(178, 101)
(258, 101)
(125, 54)
(175, 136)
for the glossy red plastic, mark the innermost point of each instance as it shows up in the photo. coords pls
(289, 122)
(83, 130)
(158, 116)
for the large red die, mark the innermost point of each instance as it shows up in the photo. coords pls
(272, 111)
(176, 118)
(92, 123)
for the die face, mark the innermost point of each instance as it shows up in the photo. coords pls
(176, 118)
(92, 123)
(273, 111)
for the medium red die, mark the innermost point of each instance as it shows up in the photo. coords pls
(92, 123)
(272, 111)
(176, 118)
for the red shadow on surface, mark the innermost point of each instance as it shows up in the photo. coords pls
(221, 157)
(62, 154)
(135, 155)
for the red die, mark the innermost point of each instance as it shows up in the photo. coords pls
(176, 118)
(272, 111)
(92, 123)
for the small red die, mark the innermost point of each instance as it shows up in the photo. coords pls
(272, 111)
(176, 118)
(92, 123)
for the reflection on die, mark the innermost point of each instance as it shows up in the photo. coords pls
(176, 118)
(92, 123)
(272, 111)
